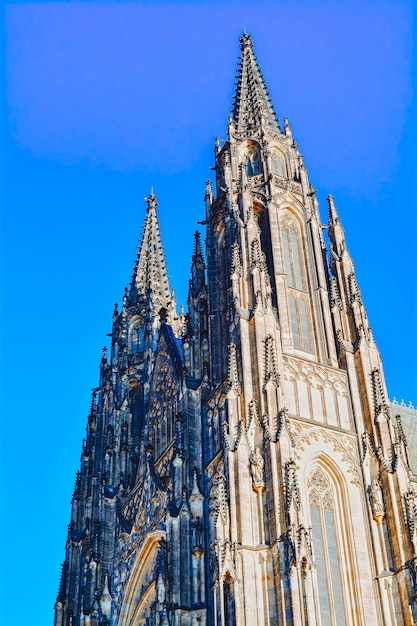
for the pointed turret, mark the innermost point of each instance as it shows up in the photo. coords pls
(197, 266)
(336, 231)
(252, 106)
(150, 287)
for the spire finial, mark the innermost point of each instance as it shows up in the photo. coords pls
(151, 200)
(246, 40)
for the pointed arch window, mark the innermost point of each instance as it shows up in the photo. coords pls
(253, 163)
(299, 322)
(327, 544)
(292, 255)
(294, 267)
(277, 166)
(137, 339)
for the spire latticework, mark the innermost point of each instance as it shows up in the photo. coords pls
(252, 106)
(150, 287)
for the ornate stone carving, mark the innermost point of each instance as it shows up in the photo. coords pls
(257, 470)
(233, 383)
(303, 435)
(270, 362)
(292, 491)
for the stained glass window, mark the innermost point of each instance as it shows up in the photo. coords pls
(136, 339)
(294, 322)
(327, 551)
(253, 164)
(296, 281)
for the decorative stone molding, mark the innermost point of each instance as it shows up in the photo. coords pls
(233, 382)
(270, 362)
(305, 434)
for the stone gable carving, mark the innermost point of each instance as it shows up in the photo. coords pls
(317, 393)
(304, 435)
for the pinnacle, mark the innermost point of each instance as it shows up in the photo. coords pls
(333, 214)
(197, 252)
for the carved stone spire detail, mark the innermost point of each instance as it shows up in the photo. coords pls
(252, 106)
(150, 289)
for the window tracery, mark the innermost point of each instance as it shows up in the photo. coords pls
(328, 553)
(293, 260)
(137, 337)
(296, 280)
(164, 407)
(277, 165)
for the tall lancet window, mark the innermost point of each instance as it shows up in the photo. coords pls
(327, 549)
(137, 336)
(296, 281)
(253, 164)
(277, 166)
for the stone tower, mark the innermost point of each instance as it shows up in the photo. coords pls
(242, 464)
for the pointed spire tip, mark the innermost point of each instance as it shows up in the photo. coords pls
(151, 200)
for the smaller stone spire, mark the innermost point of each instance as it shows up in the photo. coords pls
(149, 288)
(197, 281)
(287, 128)
(197, 252)
(333, 214)
(336, 232)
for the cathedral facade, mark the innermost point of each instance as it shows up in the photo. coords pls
(242, 463)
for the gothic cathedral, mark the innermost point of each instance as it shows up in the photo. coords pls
(241, 464)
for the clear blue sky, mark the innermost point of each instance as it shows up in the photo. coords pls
(105, 99)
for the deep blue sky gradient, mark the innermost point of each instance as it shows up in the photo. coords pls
(106, 99)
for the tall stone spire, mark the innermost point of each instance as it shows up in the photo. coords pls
(149, 289)
(252, 106)
(223, 447)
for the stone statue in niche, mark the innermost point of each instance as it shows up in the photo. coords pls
(377, 502)
(197, 537)
(257, 470)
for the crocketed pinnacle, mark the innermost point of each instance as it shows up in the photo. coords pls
(150, 287)
(252, 106)
(333, 214)
(336, 232)
(197, 267)
(197, 251)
